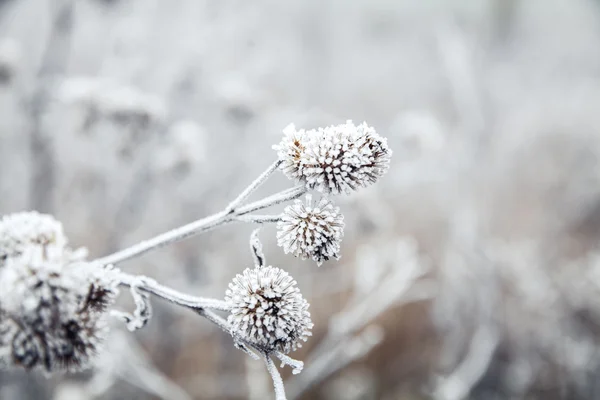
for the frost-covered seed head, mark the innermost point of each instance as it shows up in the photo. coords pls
(22, 231)
(311, 231)
(269, 309)
(336, 159)
(52, 315)
(52, 303)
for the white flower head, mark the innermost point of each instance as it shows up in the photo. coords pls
(24, 230)
(52, 303)
(311, 231)
(52, 315)
(336, 159)
(269, 309)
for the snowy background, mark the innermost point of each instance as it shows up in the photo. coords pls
(472, 269)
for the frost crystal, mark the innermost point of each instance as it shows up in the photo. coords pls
(52, 305)
(336, 159)
(311, 232)
(269, 309)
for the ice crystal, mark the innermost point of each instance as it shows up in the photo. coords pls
(269, 309)
(336, 159)
(309, 231)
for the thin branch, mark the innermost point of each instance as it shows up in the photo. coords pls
(200, 226)
(172, 236)
(253, 186)
(199, 305)
(297, 366)
(257, 249)
(278, 198)
(151, 286)
(260, 219)
(277, 381)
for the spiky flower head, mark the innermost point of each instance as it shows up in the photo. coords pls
(336, 159)
(269, 309)
(20, 231)
(52, 306)
(311, 231)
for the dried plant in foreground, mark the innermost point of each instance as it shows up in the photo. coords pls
(54, 303)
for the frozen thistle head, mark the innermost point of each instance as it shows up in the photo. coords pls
(336, 159)
(311, 231)
(26, 230)
(269, 309)
(52, 305)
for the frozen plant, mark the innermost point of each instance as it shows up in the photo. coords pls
(309, 231)
(336, 159)
(53, 302)
(268, 308)
(52, 305)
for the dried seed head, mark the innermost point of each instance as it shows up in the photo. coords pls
(309, 231)
(336, 159)
(52, 304)
(269, 309)
(52, 315)
(24, 230)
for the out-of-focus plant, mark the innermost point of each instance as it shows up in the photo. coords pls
(54, 303)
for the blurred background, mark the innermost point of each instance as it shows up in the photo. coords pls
(470, 271)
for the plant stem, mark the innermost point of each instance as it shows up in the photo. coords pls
(253, 186)
(202, 225)
(278, 198)
(151, 286)
(193, 228)
(259, 219)
(277, 381)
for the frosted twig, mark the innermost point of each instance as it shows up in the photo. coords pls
(277, 381)
(200, 226)
(143, 308)
(259, 219)
(278, 198)
(193, 228)
(151, 286)
(240, 342)
(297, 366)
(256, 249)
(253, 186)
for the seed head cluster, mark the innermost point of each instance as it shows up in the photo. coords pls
(269, 309)
(336, 159)
(311, 231)
(52, 305)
